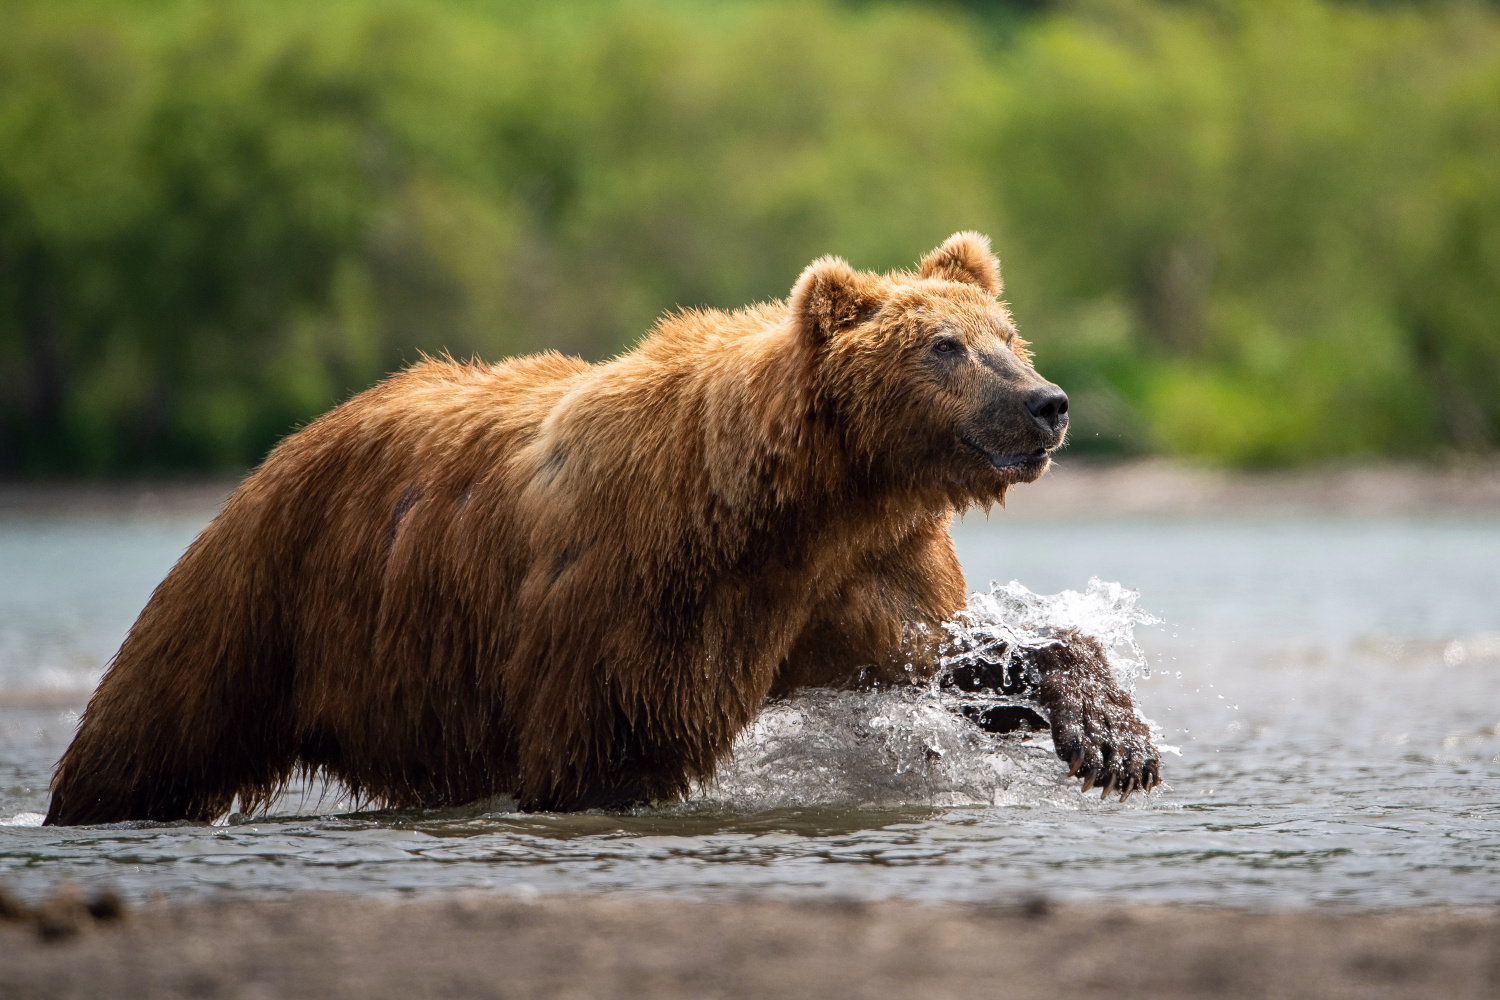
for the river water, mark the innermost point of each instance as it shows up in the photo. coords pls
(1332, 685)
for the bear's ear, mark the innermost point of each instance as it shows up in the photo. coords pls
(964, 257)
(831, 296)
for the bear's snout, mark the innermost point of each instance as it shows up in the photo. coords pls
(1048, 406)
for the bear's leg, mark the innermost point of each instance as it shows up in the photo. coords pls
(884, 625)
(195, 709)
(1093, 720)
(1095, 727)
(890, 619)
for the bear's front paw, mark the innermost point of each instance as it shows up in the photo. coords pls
(1108, 747)
(1095, 727)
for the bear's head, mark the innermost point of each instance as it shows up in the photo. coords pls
(925, 374)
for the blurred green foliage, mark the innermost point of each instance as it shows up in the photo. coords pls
(1256, 232)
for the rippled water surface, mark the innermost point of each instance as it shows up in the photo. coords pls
(1333, 685)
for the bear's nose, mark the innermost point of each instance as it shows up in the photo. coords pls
(1048, 406)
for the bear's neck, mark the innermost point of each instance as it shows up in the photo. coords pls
(770, 446)
(713, 435)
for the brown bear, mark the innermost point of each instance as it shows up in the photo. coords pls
(576, 583)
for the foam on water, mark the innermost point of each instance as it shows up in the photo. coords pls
(912, 745)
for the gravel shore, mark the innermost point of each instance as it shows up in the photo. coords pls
(491, 946)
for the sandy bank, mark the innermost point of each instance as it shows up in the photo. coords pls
(487, 946)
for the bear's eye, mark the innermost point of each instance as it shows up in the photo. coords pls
(946, 345)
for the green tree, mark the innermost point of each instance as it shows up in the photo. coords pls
(1246, 232)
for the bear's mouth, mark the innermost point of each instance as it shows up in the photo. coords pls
(1002, 463)
(1011, 461)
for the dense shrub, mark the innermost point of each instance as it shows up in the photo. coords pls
(1257, 232)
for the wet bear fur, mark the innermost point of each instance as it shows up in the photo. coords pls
(576, 583)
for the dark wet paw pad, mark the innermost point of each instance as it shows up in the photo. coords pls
(1002, 719)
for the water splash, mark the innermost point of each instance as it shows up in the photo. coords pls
(1010, 617)
(920, 745)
